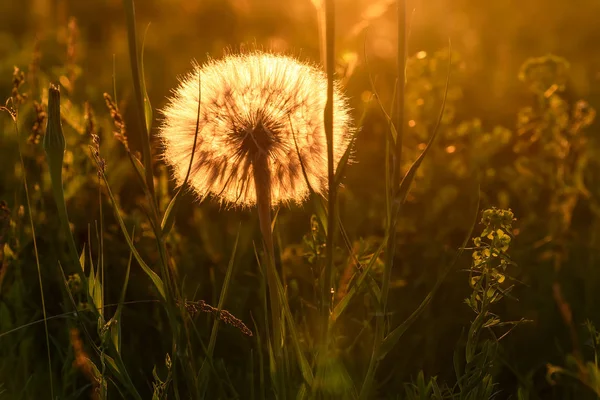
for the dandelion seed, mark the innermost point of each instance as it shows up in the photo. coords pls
(255, 108)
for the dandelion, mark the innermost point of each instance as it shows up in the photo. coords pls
(254, 109)
(254, 123)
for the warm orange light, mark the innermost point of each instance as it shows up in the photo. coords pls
(450, 149)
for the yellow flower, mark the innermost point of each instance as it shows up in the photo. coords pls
(252, 107)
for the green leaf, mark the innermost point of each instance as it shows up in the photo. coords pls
(320, 211)
(139, 93)
(289, 317)
(82, 259)
(169, 217)
(392, 338)
(54, 145)
(215, 329)
(318, 201)
(94, 288)
(158, 283)
(339, 172)
(118, 370)
(408, 179)
(115, 321)
(343, 303)
(147, 105)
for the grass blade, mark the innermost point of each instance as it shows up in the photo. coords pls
(158, 283)
(37, 263)
(317, 200)
(139, 92)
(169, 217)
(341, 167)
(116, 319)
(215, 329)
(54, 146)
(410, 175)
(343, 303)
(392, 338)
(147, 105)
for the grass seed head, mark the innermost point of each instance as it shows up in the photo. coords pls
(37, 131)
(120, 132)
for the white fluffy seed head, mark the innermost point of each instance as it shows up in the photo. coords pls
(253, 104)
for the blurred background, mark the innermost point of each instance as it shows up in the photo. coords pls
(519, 120)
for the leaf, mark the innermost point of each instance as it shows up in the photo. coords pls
(115, 321)
(158, 283)
(302, 362)
(118, 370)
(147, 105)
(343, 303)
(215, 329)
(82, 259)
(320, 208)
(392, 338)
(339, 172)
(139, 92)
(320, 211)
(169, 217)
(408, 179)
(94, 289)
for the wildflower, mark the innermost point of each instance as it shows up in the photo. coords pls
(255, 108)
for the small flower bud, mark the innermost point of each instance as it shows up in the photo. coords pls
(54, 140)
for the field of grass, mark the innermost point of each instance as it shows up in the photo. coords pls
(380, 199)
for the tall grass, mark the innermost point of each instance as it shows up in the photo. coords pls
(14, 113)
(323, 327)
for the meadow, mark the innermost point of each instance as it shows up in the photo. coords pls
(300, 199)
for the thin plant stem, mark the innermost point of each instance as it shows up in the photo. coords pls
(397, 165)
(135, 71)
(332, 189)
(395, 179)
(321, 29)
(101, 252)
(37, 262)
(262, 182)
(175, 313)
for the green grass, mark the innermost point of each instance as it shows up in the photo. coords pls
(450, 258)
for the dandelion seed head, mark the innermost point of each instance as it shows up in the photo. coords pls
(253, 105)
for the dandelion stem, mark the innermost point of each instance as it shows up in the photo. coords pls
(262, 178)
